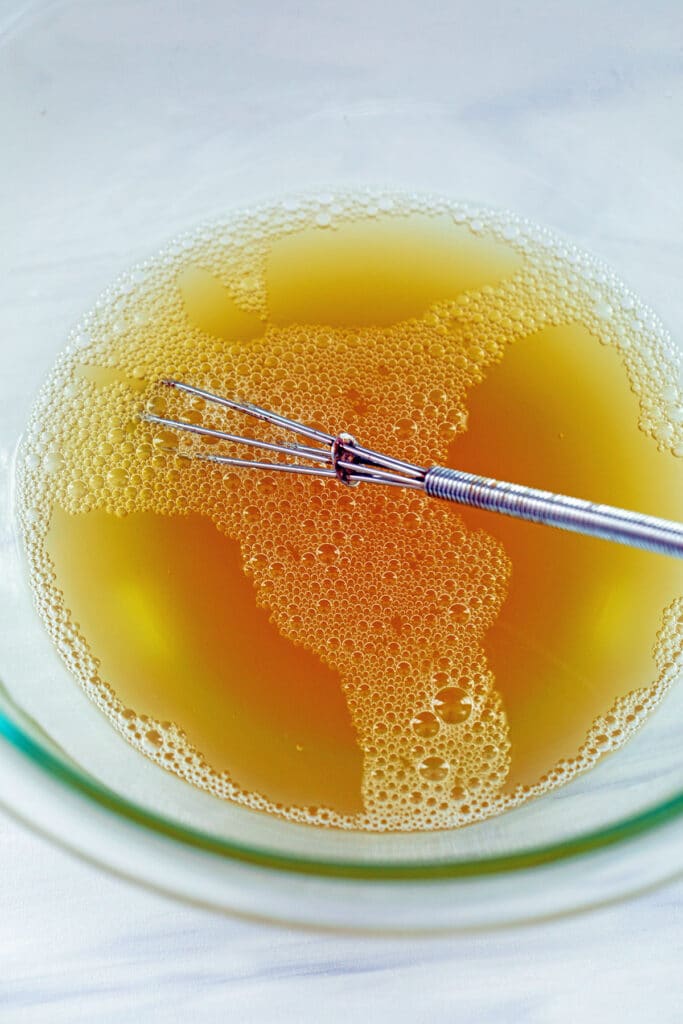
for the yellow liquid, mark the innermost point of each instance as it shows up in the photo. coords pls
(364, 657)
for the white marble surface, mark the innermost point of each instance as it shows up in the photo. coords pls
(571, 113)
(78, 946)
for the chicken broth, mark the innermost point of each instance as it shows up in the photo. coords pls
(364, 657)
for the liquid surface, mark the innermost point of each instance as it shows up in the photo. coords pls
(367, 657)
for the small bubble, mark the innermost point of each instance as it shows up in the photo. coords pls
(460, 612)
(153, 741)
(448, 431)
(450, 705)
(77, 489)
(425, 724)
(267, 485)
(53, 462)
(327, 553)
(434, 768)
(117, 478)
(163, 440)
(603, 310)
(405, 429)
(346, 502)
(664, 432)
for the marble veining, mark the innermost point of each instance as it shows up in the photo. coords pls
(77, 946)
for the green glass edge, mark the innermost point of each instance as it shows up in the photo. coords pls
(525, 859)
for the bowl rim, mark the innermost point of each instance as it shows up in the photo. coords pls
(581, 845)
(650, 822)
(432, 868)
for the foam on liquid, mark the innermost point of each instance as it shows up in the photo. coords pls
(384, 315)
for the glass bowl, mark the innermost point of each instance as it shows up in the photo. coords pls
(125, 123)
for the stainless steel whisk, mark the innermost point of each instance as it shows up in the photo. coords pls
(340, 456)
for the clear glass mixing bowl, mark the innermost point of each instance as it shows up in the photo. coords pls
(124, 123)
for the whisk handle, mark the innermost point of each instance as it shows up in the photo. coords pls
(615, 524)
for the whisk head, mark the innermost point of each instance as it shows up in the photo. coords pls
(341, 457)
(337, 456)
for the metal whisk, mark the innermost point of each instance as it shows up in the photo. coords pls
(340, 456)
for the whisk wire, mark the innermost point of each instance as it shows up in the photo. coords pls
(340, 456)
(252, 410)
(220, 435)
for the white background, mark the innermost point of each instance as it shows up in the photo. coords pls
(78, 946)
(591, 136)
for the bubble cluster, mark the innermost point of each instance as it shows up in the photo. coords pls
(385, 586)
